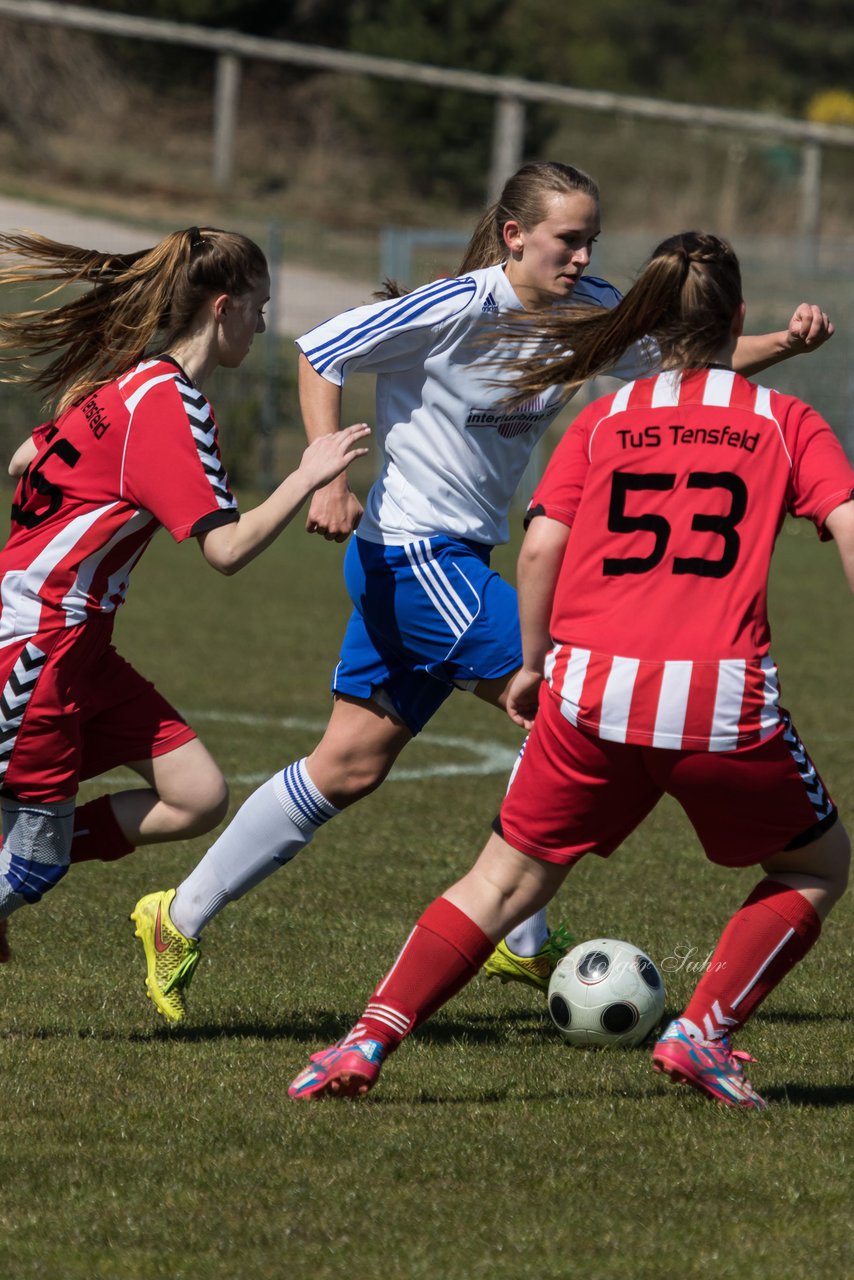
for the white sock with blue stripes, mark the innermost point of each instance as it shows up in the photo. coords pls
(34, 854)
(268, 830)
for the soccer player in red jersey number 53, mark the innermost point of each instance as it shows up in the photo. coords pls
(647, 667)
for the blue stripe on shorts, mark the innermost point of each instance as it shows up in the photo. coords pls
(427, 616)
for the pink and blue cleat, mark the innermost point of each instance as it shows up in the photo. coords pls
(711, 1066)
(342, 1071)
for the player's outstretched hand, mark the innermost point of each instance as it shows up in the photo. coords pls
(329, 455)
(809, 328)
(523, 696)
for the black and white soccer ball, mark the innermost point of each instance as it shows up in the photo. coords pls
(606, 993)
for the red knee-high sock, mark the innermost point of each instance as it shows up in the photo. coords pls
(97, 834)
(443, 953)
(773, 929)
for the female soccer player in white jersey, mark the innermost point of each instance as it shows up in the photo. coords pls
(429, 615)
(133, 448)
(650, 537)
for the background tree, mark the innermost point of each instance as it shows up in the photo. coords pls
(443, 141)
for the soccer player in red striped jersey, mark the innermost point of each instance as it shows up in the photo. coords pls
(647, 667)
(133, 448)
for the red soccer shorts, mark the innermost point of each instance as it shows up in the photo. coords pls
(574, 794)
(72, 708)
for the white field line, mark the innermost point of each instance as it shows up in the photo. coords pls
(480, 758)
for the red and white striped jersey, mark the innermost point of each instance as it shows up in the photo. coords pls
(676, 488)
(137, 454)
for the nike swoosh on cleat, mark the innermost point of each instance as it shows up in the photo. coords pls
(159, 944)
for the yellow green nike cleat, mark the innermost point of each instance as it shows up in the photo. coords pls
(171, 958)
(534, 970)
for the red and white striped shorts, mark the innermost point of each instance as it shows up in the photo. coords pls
(574, 794)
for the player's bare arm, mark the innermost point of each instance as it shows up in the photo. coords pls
(840, 523)
(537, 571)
(334, 510)
(231, 546)
(22, 457)
(808, 329)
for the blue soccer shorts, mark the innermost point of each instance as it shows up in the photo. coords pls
(428, 617)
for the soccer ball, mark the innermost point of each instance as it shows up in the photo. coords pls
(605, 992)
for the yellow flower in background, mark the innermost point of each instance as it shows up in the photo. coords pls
(831, 106)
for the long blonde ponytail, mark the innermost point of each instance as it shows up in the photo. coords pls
(133, 299)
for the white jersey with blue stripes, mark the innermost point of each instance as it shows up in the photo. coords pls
(453, 453)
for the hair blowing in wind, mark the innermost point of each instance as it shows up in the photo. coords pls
(131, 299)
(685, 298)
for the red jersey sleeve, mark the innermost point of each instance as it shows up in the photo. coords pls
(172, 465)
(822, 477)
(44, 432)
(559, 492)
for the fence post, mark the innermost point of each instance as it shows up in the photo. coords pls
(396, 255)
(226, 91)
(736, 154)
(507, 143)
(810, 204)
(271, 400)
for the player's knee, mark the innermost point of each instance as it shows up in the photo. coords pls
(343, 777)
(207, 805)
(833, 863)
(362, 775)
(367, 779)
(218, 805)
(195, 799)
(842, 864)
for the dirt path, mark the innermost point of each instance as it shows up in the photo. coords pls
(302, 297)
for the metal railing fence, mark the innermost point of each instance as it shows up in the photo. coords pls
(510, 93)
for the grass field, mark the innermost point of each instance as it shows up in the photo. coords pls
(490, 1148)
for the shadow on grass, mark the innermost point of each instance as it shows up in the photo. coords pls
(324, 1029)
(518, 1097)
(806, 1095)
(193, 1034)
(819, 1097)
(496, 1029)
(792, 1017)
(322, 1026)
(786, 1017)
(310, 1028)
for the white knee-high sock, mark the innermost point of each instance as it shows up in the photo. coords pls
(268, 830)
(527, 938)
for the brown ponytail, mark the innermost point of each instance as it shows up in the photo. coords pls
(133, 299)
(685, 298)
